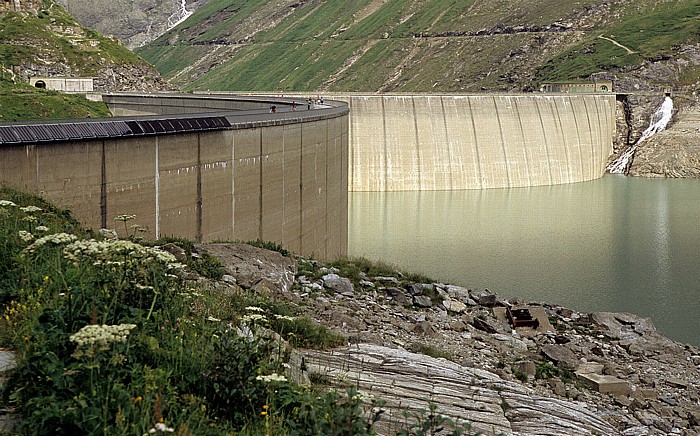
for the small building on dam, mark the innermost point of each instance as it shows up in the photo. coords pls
(222, 167)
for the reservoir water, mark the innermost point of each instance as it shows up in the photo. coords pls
(617, 244)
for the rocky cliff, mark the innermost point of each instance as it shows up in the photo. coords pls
(413, 343)
(134, 22)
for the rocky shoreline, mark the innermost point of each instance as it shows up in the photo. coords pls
(575, 373)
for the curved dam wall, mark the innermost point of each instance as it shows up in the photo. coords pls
(426, 142)
(276, 177)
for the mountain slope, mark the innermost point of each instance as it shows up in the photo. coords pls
(428, 45)
(50, 42)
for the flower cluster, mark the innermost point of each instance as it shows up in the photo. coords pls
(56, 238)
(124, 217)
(30, 209)
(41, 229)
(160, 427)
(25, 236)
(274, 377)
(7, 203)
(103, 252)
(102, 334)
(253, 318)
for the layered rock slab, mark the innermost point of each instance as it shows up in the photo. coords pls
(409, 381)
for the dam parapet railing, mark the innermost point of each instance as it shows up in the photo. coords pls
(205, 168)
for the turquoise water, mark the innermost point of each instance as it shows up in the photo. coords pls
(616, 244)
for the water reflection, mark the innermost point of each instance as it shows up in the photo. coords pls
(617, 244)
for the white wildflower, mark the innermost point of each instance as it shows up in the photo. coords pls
(254, 317)
(25, 236)
(285, 317)
(56, 238)
(274, 377)
(30, 219)
(254, 309)
(30, 209)
(160, 427)
(7, 203)
(102, 334)
(211, 318)
(124, 217)
(41, 229)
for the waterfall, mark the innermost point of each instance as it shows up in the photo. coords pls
(659, 120)
(179, 16)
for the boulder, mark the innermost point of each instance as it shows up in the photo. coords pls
(422, 301)
(252, 267)
(339, 284)
(561, 355)
(454, 306)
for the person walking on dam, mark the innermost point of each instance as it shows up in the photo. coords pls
(308, 103)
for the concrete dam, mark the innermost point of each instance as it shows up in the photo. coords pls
(221, 167)
(449, 142)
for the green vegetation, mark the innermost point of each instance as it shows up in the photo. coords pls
(433, 351)
(546, 369)
(368, 46)
(113, 339)
(23, 102)
(653, 33)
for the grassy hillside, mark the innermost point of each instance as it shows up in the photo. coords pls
(24, 102)
(53, 36)
(417, 45)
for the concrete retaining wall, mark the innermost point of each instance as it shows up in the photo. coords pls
(417, 142)
(281, 182)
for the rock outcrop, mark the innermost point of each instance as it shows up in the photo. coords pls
(674, 152)
(568, 373)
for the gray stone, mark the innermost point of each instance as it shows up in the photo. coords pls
(398, 296)
(605, 384)
(339, 284)
(414, 289)
(484, 298)
(393, 280)
(424, 328)
(422, 301)
(484, 325)
(561, 355)
(179, 253)
(454, 306)
(527, 367)
(227, 278)
(7, 361)
(252, 267)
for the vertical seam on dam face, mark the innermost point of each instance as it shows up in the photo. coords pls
(546, 143)
(522, 135)
(233, 185)
(301, 189)
(260, 197)
(386, 151)
(578, 137)
(36, 176)
(476, 144)
(503, 141)
(447, 141)
(325, 196)
(592, 132)
(600, 126)
(103, 190)
(419, 175)
(567, 152)
(198, 204)
(157, 183)
(351, 151)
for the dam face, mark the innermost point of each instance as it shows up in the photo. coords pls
(280, 178)
(449, 142)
